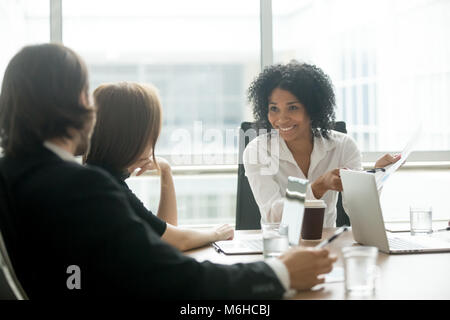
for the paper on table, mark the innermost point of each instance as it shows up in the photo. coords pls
(336, 275)
(381, 177)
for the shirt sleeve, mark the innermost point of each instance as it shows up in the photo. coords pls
(265, 189)
(158, 225)
(281, 272)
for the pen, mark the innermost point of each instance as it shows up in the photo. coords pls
(376, 169)
(216, 247)
(334, 236)
(446, 229)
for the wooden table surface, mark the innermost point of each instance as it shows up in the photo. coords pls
(407, 276)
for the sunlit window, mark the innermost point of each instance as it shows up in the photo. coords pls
(201, 55)
(388, 59)
(22, 22)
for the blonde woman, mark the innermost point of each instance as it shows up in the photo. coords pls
(124, 138)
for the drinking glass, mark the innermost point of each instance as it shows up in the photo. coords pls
(421, 220)
(275, 239)
(360, 270)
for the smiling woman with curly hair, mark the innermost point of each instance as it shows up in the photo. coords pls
(296, 102)
(311, 86)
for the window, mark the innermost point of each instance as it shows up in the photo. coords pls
(205, 198)
(201, 55)
(22, 22)
(389, 61)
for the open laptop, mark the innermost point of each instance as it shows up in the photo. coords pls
(293, 211)
(362, 204)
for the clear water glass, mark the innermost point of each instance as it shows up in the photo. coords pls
(421, 220)
(360, 270)
(275, 239)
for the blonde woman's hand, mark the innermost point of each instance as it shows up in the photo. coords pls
(148, 164)
(224, 232)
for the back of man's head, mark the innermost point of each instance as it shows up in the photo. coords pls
(42, 96)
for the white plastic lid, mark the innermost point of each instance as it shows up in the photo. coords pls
(315, 204)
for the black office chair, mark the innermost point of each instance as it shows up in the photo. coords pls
(342, 218)
(248, 216)
(10, 287)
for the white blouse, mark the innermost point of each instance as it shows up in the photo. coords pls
(268, 163)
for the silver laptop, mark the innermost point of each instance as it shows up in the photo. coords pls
(362, 204)
(293, 211)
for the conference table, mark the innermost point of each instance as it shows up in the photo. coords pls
(404, 277)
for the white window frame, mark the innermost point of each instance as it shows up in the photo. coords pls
(56, 21)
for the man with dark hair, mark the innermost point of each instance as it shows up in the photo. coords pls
(66, 218)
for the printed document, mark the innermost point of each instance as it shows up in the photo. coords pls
(381, 177)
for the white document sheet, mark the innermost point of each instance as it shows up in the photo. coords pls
(381, 177)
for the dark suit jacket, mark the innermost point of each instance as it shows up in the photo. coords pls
(67, 214)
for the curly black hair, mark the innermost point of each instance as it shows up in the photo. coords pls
(311, 86)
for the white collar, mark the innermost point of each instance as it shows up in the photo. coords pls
(320, 148)
(60, 152)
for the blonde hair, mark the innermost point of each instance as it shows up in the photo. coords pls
(129, 117)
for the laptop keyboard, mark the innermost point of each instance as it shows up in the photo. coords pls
(400, 244)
